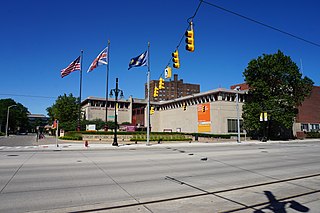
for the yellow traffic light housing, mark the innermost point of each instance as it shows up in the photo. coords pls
(184, 106)
(190, 39)
(175, 59)
(203, 108)
(156, 92)
(168, 72)
(161, 83)
(151, 110)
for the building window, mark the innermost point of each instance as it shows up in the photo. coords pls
(305, 127)
(314, 127)
(233, 125)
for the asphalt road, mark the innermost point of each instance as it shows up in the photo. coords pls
(263, 177)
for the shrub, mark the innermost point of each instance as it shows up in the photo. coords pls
(74, 138)
(312, 135)
(161, 137)
(2, 134)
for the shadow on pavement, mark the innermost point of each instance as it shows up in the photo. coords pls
(280, 206)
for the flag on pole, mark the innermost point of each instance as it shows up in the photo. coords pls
(75, 65)
(101, 59)
(139, 61)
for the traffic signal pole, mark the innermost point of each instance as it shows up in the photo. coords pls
(148, 105)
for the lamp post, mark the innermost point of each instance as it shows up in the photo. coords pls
(7, 125)
(238, 116)
(116, 92)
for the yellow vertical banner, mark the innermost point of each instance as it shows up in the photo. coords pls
(261, 116)
(117, 108)
(265, 116)
(204, 119)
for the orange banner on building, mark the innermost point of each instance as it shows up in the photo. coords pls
(204, 119)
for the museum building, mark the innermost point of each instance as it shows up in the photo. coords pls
(214, 112)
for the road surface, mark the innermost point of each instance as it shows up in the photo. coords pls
(247, 177)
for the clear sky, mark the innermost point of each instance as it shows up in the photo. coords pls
(39, 38)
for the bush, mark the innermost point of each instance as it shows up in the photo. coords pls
(2, 134)
(312, 135)
(223, 136)
(160, 137)
(72, 136)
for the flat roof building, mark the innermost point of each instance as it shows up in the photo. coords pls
(212, 112)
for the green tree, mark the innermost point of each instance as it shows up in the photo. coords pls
(65, 109)
(18, 115)
(276, 86)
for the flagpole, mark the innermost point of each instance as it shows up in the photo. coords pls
(107, 85)
(148, 105)
(79, 112)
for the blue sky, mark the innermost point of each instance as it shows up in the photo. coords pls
(39, 38)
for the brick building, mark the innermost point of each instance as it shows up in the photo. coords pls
(173, 89)
(308, 118)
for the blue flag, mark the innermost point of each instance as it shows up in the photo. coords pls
(139, 61)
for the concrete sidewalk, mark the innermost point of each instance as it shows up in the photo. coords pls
(60, 145)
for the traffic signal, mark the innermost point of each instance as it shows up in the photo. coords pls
(184, 106)
(190, 39)
(151, 110)
(203, 108)
(156, 92)
(168, 72)
(161, 83)
(175, 59)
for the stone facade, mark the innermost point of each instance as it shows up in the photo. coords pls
(171, 115)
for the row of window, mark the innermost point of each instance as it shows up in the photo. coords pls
(310, 127)
(110, 104)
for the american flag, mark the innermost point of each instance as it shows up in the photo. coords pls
(101, 59)
(75, 65)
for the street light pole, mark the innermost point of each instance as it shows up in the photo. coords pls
(116, 92)
(7, 124)
(238, 116)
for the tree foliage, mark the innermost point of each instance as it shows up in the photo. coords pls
(65, 109)
(276, 86)
(18, 118)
